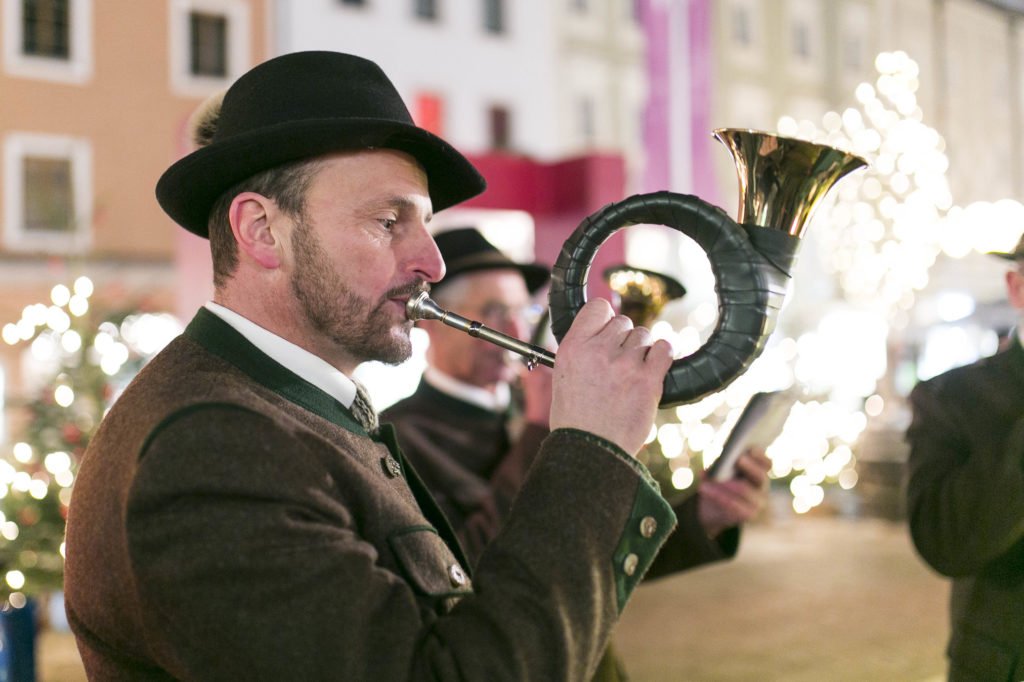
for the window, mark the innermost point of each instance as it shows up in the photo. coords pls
(802, 41)
(853, 54)
(209, 44)
(500, 123)
(587, 127)
(425, 9)
(429, 113)
(741, 30)
(635, 11)
(47, 193)
(48, 39)
(46, 28)
(494, 16)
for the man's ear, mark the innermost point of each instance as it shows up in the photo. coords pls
(1015, 288)
(255, 220)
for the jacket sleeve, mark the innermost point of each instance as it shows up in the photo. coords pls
(964, 482)
(258, 571)
(689, 546)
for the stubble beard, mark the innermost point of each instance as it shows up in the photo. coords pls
(364, 330)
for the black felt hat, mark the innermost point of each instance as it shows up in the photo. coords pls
(300, 106)
(1016, 254)
(464, 250)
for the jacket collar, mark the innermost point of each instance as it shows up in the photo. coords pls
(221, 339)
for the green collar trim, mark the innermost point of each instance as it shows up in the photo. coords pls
(221, 339)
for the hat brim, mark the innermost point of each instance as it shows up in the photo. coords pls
(673, 287)
(188, 189)
(536, 276)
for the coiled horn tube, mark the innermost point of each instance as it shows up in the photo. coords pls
(781, 180)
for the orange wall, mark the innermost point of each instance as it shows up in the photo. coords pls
(129, 113)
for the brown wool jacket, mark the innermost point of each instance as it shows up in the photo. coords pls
(231, 521)
(965, 504)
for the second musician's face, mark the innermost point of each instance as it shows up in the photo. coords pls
(358, 251)
(499, 299)
(1015, 289)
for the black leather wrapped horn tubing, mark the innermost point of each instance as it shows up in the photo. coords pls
(751, 266)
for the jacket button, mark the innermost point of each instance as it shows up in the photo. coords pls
(629, 564)
(457, 575)
(391, 466)
(648, 526)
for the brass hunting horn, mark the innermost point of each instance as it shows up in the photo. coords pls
(781, 181)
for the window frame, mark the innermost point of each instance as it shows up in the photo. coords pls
(76, 69)
(499, 127)
(494, 9)
(433, 16)
(78, 151)
(238, 51)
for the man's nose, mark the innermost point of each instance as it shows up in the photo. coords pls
(426, 261)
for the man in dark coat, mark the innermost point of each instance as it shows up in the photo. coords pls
(965, 498)
(473, 444)
(240, 515)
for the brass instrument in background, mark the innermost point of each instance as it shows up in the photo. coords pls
(781, 181)
(641, 294)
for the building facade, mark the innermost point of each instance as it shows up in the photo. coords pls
(94, 97)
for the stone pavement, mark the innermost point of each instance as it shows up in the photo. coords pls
(807, 598)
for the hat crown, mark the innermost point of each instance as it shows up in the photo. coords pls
(465, 250)
(309, 86)
(305, 105)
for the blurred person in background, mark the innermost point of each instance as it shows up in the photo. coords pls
(477, 418)
(240, 514)
(965, 498)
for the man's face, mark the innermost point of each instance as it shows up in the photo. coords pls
(1015, 288)
(500, 300)
(358, 252)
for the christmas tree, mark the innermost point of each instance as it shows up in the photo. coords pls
(78, 361)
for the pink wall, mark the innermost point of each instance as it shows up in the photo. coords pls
(680, 29)
(559, 196)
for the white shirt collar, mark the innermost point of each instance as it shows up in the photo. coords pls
(492, 402)
(298, 360)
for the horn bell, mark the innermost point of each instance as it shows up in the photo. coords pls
(782, 179)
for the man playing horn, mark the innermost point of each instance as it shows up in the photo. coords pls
(241, 515)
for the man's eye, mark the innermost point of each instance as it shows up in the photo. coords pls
(387, 223)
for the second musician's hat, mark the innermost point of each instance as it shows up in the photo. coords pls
(465, 249)
(300, 106)
(1016, 255)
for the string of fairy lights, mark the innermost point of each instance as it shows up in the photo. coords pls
(877, 235)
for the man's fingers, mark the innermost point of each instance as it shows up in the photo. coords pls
(735, 503)
(753, 465)
(590, 320)
(637, 337)
(660, 356)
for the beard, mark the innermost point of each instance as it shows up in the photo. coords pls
(364, 329)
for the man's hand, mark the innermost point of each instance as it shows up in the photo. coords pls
(608, 377)
(725, 504)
